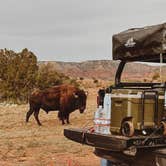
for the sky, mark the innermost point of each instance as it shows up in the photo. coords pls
(73, 30)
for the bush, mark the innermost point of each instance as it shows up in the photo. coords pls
(17, 74)
(47, 77)
(20, 74)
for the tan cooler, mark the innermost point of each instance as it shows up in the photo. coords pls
(144, 106)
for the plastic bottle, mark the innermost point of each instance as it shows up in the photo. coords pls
(97, 119)
(107, 105)
(106, 114)
(102, 121)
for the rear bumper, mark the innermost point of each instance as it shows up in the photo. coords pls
(114, 142)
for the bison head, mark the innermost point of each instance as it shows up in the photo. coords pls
(80, 98)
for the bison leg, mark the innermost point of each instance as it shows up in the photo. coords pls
(61, 117)
(36, 115)
(29, 113)
(67, 120)
(63, 120)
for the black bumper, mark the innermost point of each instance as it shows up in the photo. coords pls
(114, 142)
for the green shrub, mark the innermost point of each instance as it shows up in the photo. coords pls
(20, 74)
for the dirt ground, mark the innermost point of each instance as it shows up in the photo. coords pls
(28, 144)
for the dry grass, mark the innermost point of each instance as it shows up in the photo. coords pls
(24, 144)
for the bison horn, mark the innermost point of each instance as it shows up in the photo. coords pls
(76, 96)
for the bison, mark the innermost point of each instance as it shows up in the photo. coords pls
(63, 98)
